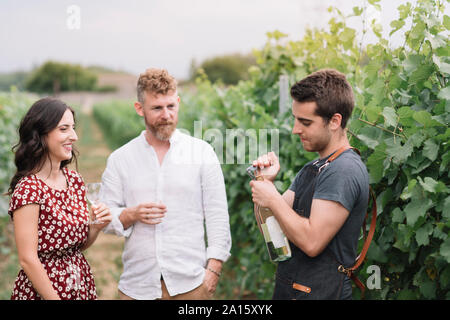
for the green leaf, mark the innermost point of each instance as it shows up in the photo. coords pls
(436, 40)
(375, 163)
(370, 136)
(438, 233)
(403, 238)
(347, 36)
(397, 215)
(445, 277)
(377, 89)
(424, 118)
(375, 253)
(446, 22)
(430, 149)
(277, 35)
(417, 32)
(415, 209)
(357, 11)
(405, 115)
(444, 250)
(428, 289)
(396, 25)
(446, 209)
(412, 63)
(407, 294)
(444, 93)
(373, 113)
(422, 73)
(442, 66)
(428, 184)
(416, 140)
(407, 192)
(398, 152)
(404, 10)
(390, 117)
(422, 235)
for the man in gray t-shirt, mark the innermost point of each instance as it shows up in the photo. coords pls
(323, 210)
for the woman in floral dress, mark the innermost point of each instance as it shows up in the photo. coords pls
(49, 210)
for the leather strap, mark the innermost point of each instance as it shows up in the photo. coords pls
(338, 153)
(300, 287)
(367, 239)
(333, 157)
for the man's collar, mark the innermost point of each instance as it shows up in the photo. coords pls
(175, 137)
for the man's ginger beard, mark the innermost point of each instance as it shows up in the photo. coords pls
(162, 130)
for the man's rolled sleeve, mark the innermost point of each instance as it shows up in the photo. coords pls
(112, 195)
(116, 226)
(215, 208)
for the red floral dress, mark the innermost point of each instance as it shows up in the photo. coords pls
(63, 228)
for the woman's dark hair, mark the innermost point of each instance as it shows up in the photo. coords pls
(31, 150)
(330, 90)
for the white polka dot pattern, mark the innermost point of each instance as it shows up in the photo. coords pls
(63, 227)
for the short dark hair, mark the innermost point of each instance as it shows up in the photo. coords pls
(330, 90)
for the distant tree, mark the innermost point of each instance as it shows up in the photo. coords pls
(226, 68)
(16, 79)
(58, 77)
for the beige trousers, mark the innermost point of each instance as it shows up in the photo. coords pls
(199, 293)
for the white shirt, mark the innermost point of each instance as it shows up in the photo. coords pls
(191, 185)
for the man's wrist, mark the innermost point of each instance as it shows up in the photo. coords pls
(217, 273)
(274, 201)
(215, 266)
(126, 217)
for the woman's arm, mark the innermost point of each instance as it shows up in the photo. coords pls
(26, 235)
(102, 214)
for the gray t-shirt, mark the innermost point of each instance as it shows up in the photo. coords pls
(345, 180)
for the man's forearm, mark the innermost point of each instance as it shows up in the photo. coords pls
(127, 217)
(296, 228)
(311, 234)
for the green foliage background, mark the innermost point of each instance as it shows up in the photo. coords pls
(55, 77)
(118, 121)
(13, 106)
(228, 69)
(400, 124)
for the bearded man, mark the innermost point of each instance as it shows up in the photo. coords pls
(164, 189)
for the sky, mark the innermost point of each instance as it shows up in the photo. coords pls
(133, 35)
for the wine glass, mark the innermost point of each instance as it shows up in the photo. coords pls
(92, 194)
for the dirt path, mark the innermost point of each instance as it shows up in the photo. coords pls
(104, 255)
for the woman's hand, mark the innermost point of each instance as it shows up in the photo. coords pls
(102, 214)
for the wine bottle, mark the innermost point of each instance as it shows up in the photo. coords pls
(276, 241)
